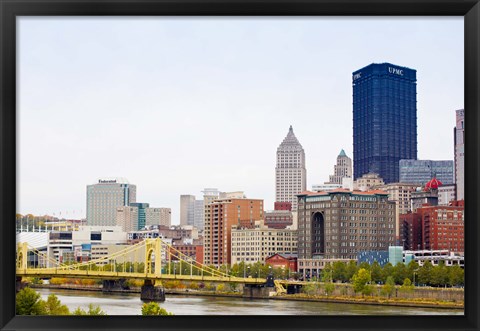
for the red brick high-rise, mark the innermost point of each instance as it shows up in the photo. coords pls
(443, 226)
(218, 229)
(411, 231)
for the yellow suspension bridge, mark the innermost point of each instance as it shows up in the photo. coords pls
(155, 255)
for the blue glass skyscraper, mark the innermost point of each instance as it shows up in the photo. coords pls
(384, 119)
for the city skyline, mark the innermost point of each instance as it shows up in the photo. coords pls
(97, 99)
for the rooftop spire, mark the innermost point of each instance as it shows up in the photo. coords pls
(342, 153)
(290, 139)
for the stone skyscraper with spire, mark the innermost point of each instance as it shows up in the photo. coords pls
(290, 172)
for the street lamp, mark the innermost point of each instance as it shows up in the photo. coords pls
(414, 272)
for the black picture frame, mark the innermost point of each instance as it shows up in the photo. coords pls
(10, 9)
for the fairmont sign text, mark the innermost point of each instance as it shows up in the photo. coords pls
(107, 181)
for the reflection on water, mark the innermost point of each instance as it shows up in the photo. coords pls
(130, 304)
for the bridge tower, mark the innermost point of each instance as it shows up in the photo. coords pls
(22, 259)
(153, 247)
(153, 265)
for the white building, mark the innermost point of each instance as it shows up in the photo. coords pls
(401, 193)
(199, 215)
(187, 209)
(342, 169)
(255, 245)
(127, 218)
(290, 171)
(325, 187)
(446, 193)
(192, 211)
(64, 243)
(104, 251)
(368, 182)
(104, 197)
(158, 216)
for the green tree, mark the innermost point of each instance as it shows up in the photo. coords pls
(368, 289)
(153, 309)
(376, 272)
(360, 279)
(387, 270)
(407, 285)
(37, 280)
(425, 273)
(237, 269)
(28, 302)
(327, 272)
(329, 288)
(53, 306)
(92, 310)
(455, 275)
(339, 271)
(399, 272)
(351, 269)
(389, 287)
(411, 268)
(309, 289)
(439, 275)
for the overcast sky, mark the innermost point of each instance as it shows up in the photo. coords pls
(176, 105)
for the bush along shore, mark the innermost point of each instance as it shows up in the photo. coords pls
(386, 294)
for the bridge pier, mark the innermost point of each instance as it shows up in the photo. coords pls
(293, 289)
(151, 292)
(19, 285)
(109, 285)
(252, 291)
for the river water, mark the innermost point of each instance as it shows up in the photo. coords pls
(130, 304)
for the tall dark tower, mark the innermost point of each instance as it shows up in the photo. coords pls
(384, 119)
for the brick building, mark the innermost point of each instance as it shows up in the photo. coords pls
(195, 252)
(411, 231)
(289, 262)
(278, 219)
(341, 223)
(224, 213)
(443, 227)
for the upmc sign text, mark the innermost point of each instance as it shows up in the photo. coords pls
(395, 71)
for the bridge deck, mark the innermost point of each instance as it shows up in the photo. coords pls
(53, 272)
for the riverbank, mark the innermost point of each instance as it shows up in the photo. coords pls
(378, 301)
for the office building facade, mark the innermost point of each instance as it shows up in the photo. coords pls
(411, 231)
(142, 206)
(368, 181)
(459, 141)
(104, 197)
(278, 219)
(384, 119)
(342, 169)
(224, 213)
(421, 171)
(446, 194)
(401, 194)
(341, 223)
(252, 245)
(158, 216)
(187, 209)
(127, 218)
(290, 171)
(199, 214)
(443, 227)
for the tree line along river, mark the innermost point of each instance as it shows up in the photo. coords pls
(130, 304)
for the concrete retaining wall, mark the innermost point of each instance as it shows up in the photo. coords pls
(445, 294)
